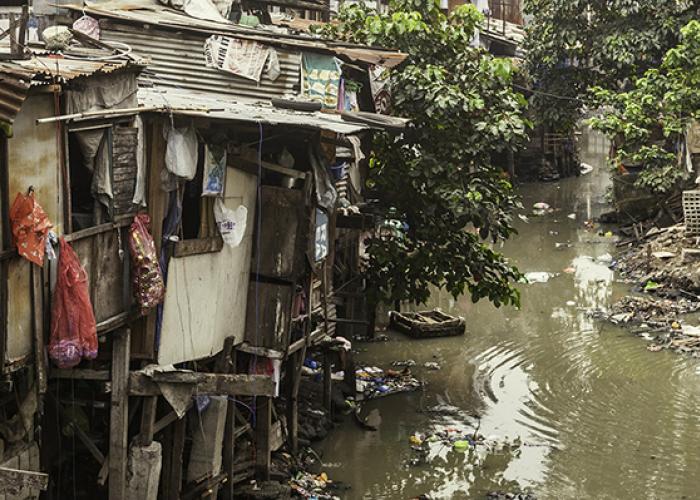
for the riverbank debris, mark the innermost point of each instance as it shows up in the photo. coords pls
(500, 495)
(313, 486)
(539, 277)
(666, 262)
(654, 313)
(659, 321)
(373, 382)
(541, 208)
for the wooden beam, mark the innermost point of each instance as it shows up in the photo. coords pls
(92, 447)
(79, 374)
(227, 364)
(119, 415)
(37, 294)
(249, 158)
(173, 482)
(141, 384)
(263, 429)
(12, 481)
(198, 246)
(327, 381)
(148, 420)
(291, 387)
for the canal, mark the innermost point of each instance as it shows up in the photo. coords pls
(571, 407)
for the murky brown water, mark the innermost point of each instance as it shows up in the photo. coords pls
(598, 415)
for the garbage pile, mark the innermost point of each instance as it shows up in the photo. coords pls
(654, 313)
(373, 382)
(500, 495)
(679, 338)
(307, 485)
(666, 264)
(659, 321)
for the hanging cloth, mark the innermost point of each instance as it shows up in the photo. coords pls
(73, 326)
(30, 227)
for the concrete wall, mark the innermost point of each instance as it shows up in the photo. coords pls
(33, 160)
(206, 294)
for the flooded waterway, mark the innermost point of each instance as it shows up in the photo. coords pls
(595, 414)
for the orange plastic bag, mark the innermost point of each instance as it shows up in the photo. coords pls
(73, 327)
(30, 226)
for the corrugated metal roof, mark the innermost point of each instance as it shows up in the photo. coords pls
(177, 61)
(212, 106)
(64, 70)
(14, 86)
(16, 77)
(148, 14)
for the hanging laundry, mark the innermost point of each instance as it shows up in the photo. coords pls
(73, 327)
(244, 58)
(381, 93)
(320, 78)
(273, 69)
(30, 227)
(214, 178)
(181, 152)
(147, 279)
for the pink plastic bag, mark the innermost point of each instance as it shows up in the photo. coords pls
(147, 279)
(73, 327)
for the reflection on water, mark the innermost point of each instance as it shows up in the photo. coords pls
(591, 412)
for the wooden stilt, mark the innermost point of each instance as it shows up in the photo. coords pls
(173, 476)
(327, 380)
(263, 428)
(119, 415)
(227, 364)
(292, 395)
(38, 327)
(148, 420)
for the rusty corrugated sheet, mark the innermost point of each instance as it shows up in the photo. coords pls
(17, 77)
(176, 60)
(14, 87)
(63, 70)
(142, 14)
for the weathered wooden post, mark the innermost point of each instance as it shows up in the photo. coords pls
(263, 427)
(119, 415)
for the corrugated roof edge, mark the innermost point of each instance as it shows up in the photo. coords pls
(18, 76)
(367, 54)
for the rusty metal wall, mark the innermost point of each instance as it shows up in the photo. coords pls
(33, 160)
(177, 61)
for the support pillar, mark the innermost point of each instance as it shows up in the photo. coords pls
(327, 381)
(208, 440)
(119, 415)
(263, 427)
(292, 394)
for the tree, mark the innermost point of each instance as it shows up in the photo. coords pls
(574, 45)
(649, 121)
(437, 178)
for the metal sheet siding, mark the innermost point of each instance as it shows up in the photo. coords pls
(177, 61)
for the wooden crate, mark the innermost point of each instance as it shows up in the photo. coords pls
(691, 211)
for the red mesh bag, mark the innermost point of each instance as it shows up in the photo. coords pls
(148, 283)
(73, 327)
(30, 225)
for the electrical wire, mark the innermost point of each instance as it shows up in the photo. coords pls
(548, 94)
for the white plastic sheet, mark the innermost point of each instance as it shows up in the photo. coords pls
(181, 152)
(231, 223)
